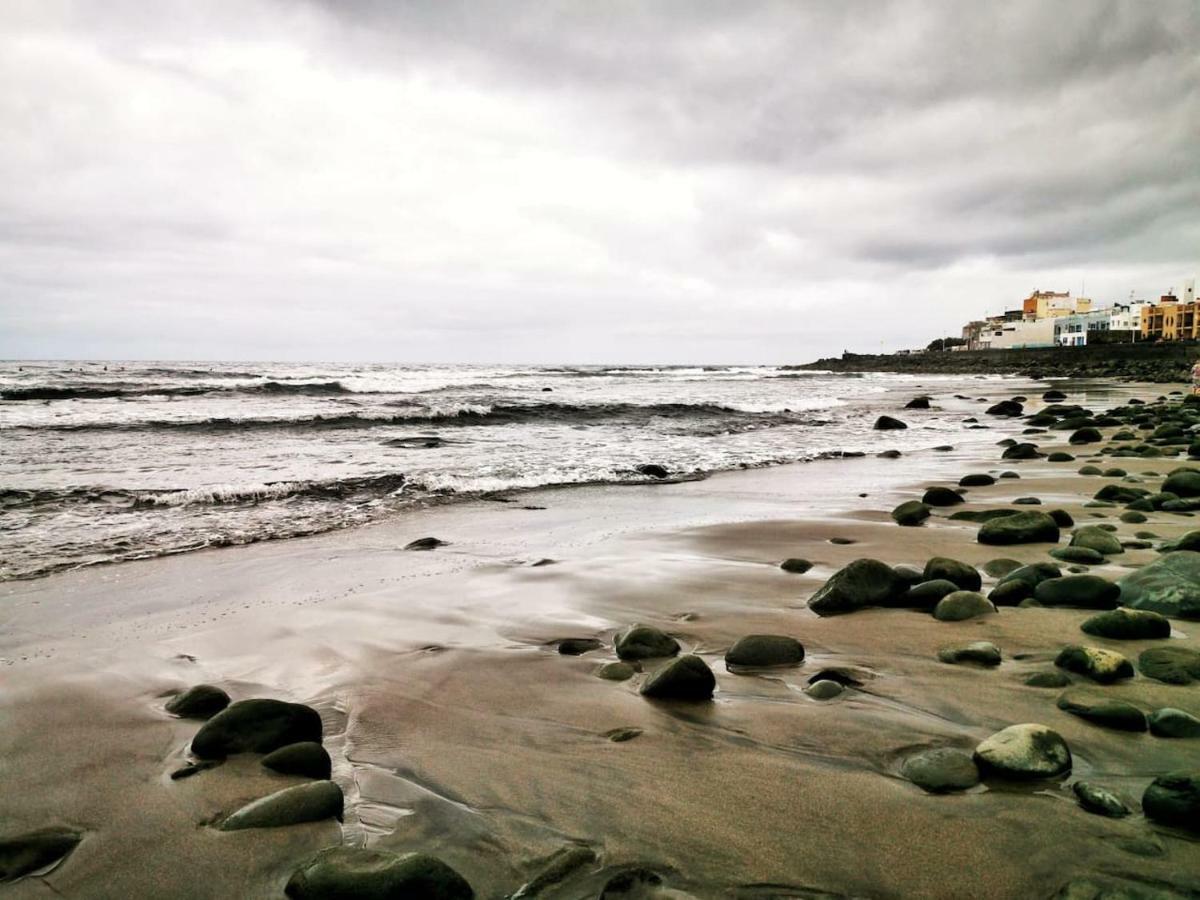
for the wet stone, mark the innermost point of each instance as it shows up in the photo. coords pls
(941, 770)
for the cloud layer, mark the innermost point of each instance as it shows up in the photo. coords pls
(552, 182)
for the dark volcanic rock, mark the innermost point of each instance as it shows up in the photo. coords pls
(32, 851)
(910, 513)
(1078, 591)
(363, 874)
(1172, 665)
(1085, 436)
(1174, 799)
(1010, 593)
(1183, 483)
(796, 566)
(1100, 665)
(1169, 722)
(1094, 537)
(763, 650)
(1080, 555)
(1021, 528)
(1115, 714)
(1005, 408)
(925, 594)
(917, 403)
(1170, 585)
(653, 470)
(256, 726)
(310, 802)
(1022, 451)
(862, 583)
(644, 642)
(203, 701)
(1033, 574)
(998, 568)
(307, 759)
(686, 678)
(887, 423)
(976, 480)
(1128, 625)
(941, 770)
(962, 574)
(942, 496)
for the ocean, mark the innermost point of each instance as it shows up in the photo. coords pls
(108, 461)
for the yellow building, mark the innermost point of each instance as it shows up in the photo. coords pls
(1052, 305)
(1170, 320)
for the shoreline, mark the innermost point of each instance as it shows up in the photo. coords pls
(457, 730)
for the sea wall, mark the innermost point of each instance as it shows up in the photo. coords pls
(1156, 362)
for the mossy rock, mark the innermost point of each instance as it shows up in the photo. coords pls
(1021, 528)
(962, 605)
(910, 513)
(862, 583)
(1128, 625)
(1024, 752)
(1171, 665)
(1100, 665)
(644, 642)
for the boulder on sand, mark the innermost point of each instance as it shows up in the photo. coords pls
(1169, 722)
(1098, 800)
(375, 874)
(887, 423)
(942, 567)
(1183, 483)
(307, 759)
(1100, 665)
(1023, 450)
(910, 513)
(1093, 537)
(1170, 665)
(976, 480)
(1115, 714)
(962, 605)
(1078, 592)
(925, 595)
(979, 653)
(1024, 751)
(764, 650)
(256, 726)
(202, 701)
(941, 769)
(862, 583)
(1128, 625)
(942, 496)
(310, 802)
(1174, 799)
(1170, 585)
(1019, 528)
(1005, 408)
(644, 642)
(917, 403)
(686, 678)
(796, 565)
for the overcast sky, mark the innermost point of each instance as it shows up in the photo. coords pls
(580, 181)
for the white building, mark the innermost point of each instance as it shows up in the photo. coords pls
(1126, 317)
(1017, 335)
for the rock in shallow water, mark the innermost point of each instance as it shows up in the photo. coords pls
(578, 646)
(203, 701)
(1097, 800)
(1171, 665)
(1025, 751)
(686, 678)
(925, 595)
(1078, 592)
(964, 575)
(888, 423)
(345, 872)
(291, 806)
(32, 851)
(1127, 625)
(825, 689)
(1115, 714)
(764, 650)
(616, 671)
(1047, 680)
(1174, 799)
(941, 770)
(1100, 665)
(980, 653)
(256, 726)
(1094, 537)
(910, 513)
(644, 642)
(796, 566)
(1169, 722)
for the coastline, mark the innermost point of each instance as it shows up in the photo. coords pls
(457, 730)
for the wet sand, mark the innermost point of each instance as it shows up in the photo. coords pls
(457, 729)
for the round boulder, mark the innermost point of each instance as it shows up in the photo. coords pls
(202, 701)
(1093, 537)
(962, 605)
(256, 726)
(976, 480)
(910, 513)
(941, 496)
(1171, 665)
(1096, 799)
(644, 642)
(964, 575)
(1123, 624)
(308, 759)
(1024, 751)
(1019, 528)
(1169, 722)
(1078, 592)
(941, 770)
(310, 802)
(796, 566)
(1115, 714)
(887, 423)
(926, 594)
(862, 583)
(1174, 799)
(764, 650)
(979, 653)
(1100, 665)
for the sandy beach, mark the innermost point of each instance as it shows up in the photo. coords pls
(457, 729)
